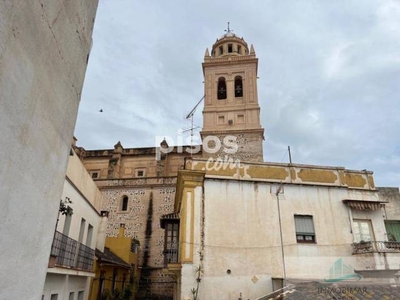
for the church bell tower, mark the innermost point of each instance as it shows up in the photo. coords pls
(231, 98)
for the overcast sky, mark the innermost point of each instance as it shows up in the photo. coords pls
(329, 76)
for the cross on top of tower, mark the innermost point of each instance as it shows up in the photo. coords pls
(228, 30)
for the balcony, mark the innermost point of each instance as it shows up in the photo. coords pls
(69, 253)
(171, 253)
(375, 247)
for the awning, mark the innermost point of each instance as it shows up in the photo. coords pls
(364, 204)
(168, 217)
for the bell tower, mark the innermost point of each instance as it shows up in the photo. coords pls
(231, 99)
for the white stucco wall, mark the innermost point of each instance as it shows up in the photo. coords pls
(44, 47)
(241, 233)
(63, 285)
(82, 209)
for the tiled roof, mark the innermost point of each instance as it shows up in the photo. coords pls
(108, 257)
(323, 291)
(171, 216)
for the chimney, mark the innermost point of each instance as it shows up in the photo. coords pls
(121, 230)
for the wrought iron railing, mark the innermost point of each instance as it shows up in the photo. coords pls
(70, 253)
(85, 258)
(171, 253)
(375, 247)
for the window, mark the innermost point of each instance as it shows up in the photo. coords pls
(140, 173)
(67, 224)
(393, 230)
(95, 175)
(221, 94)
(221, 119)
(54, 297)
(114, 279)
(230, 48)
(221, 50)
(82, 230)
(238, 86)
(305, 232)
(89, 236)
(171, 242)
(362, 230)
(71, 296)
(124, 206)
(80, 295)
(239, 49)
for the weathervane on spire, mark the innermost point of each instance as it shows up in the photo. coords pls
(228, 30)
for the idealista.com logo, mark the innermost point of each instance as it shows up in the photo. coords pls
(211, 144)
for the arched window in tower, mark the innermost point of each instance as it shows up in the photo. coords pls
(221, 93)
(238, 86)
(124, 204)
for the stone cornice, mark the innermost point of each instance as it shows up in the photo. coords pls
(285, 173)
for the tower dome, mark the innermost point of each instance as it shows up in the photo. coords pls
(229, 44)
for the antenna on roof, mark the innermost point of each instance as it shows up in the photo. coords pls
(190, 116)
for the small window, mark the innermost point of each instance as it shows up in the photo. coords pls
(230, 48)
(305, 232)
(140, 173)
(221, 94)
(95, 175)
(124, 206)
(221, 119)
(238, 86)
(54, 297)
(71, 296)
(80, 295)
(239, 49)
(221, 50)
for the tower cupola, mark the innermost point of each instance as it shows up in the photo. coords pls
(229, 44)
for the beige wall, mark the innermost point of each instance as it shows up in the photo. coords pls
(241, 233)
(44, 47)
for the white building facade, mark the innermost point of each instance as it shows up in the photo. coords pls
(76, 237)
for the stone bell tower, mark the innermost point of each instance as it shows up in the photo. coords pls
(231, 98)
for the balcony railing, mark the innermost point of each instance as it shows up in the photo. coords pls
(375, 247)
(71, 254)
(171, 253)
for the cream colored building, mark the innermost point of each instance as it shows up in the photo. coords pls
(44, 48)
(76, 237)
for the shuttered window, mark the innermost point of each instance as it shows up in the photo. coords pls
(393, 230)
(305, 232)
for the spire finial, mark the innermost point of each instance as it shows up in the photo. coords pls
(228, 30)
